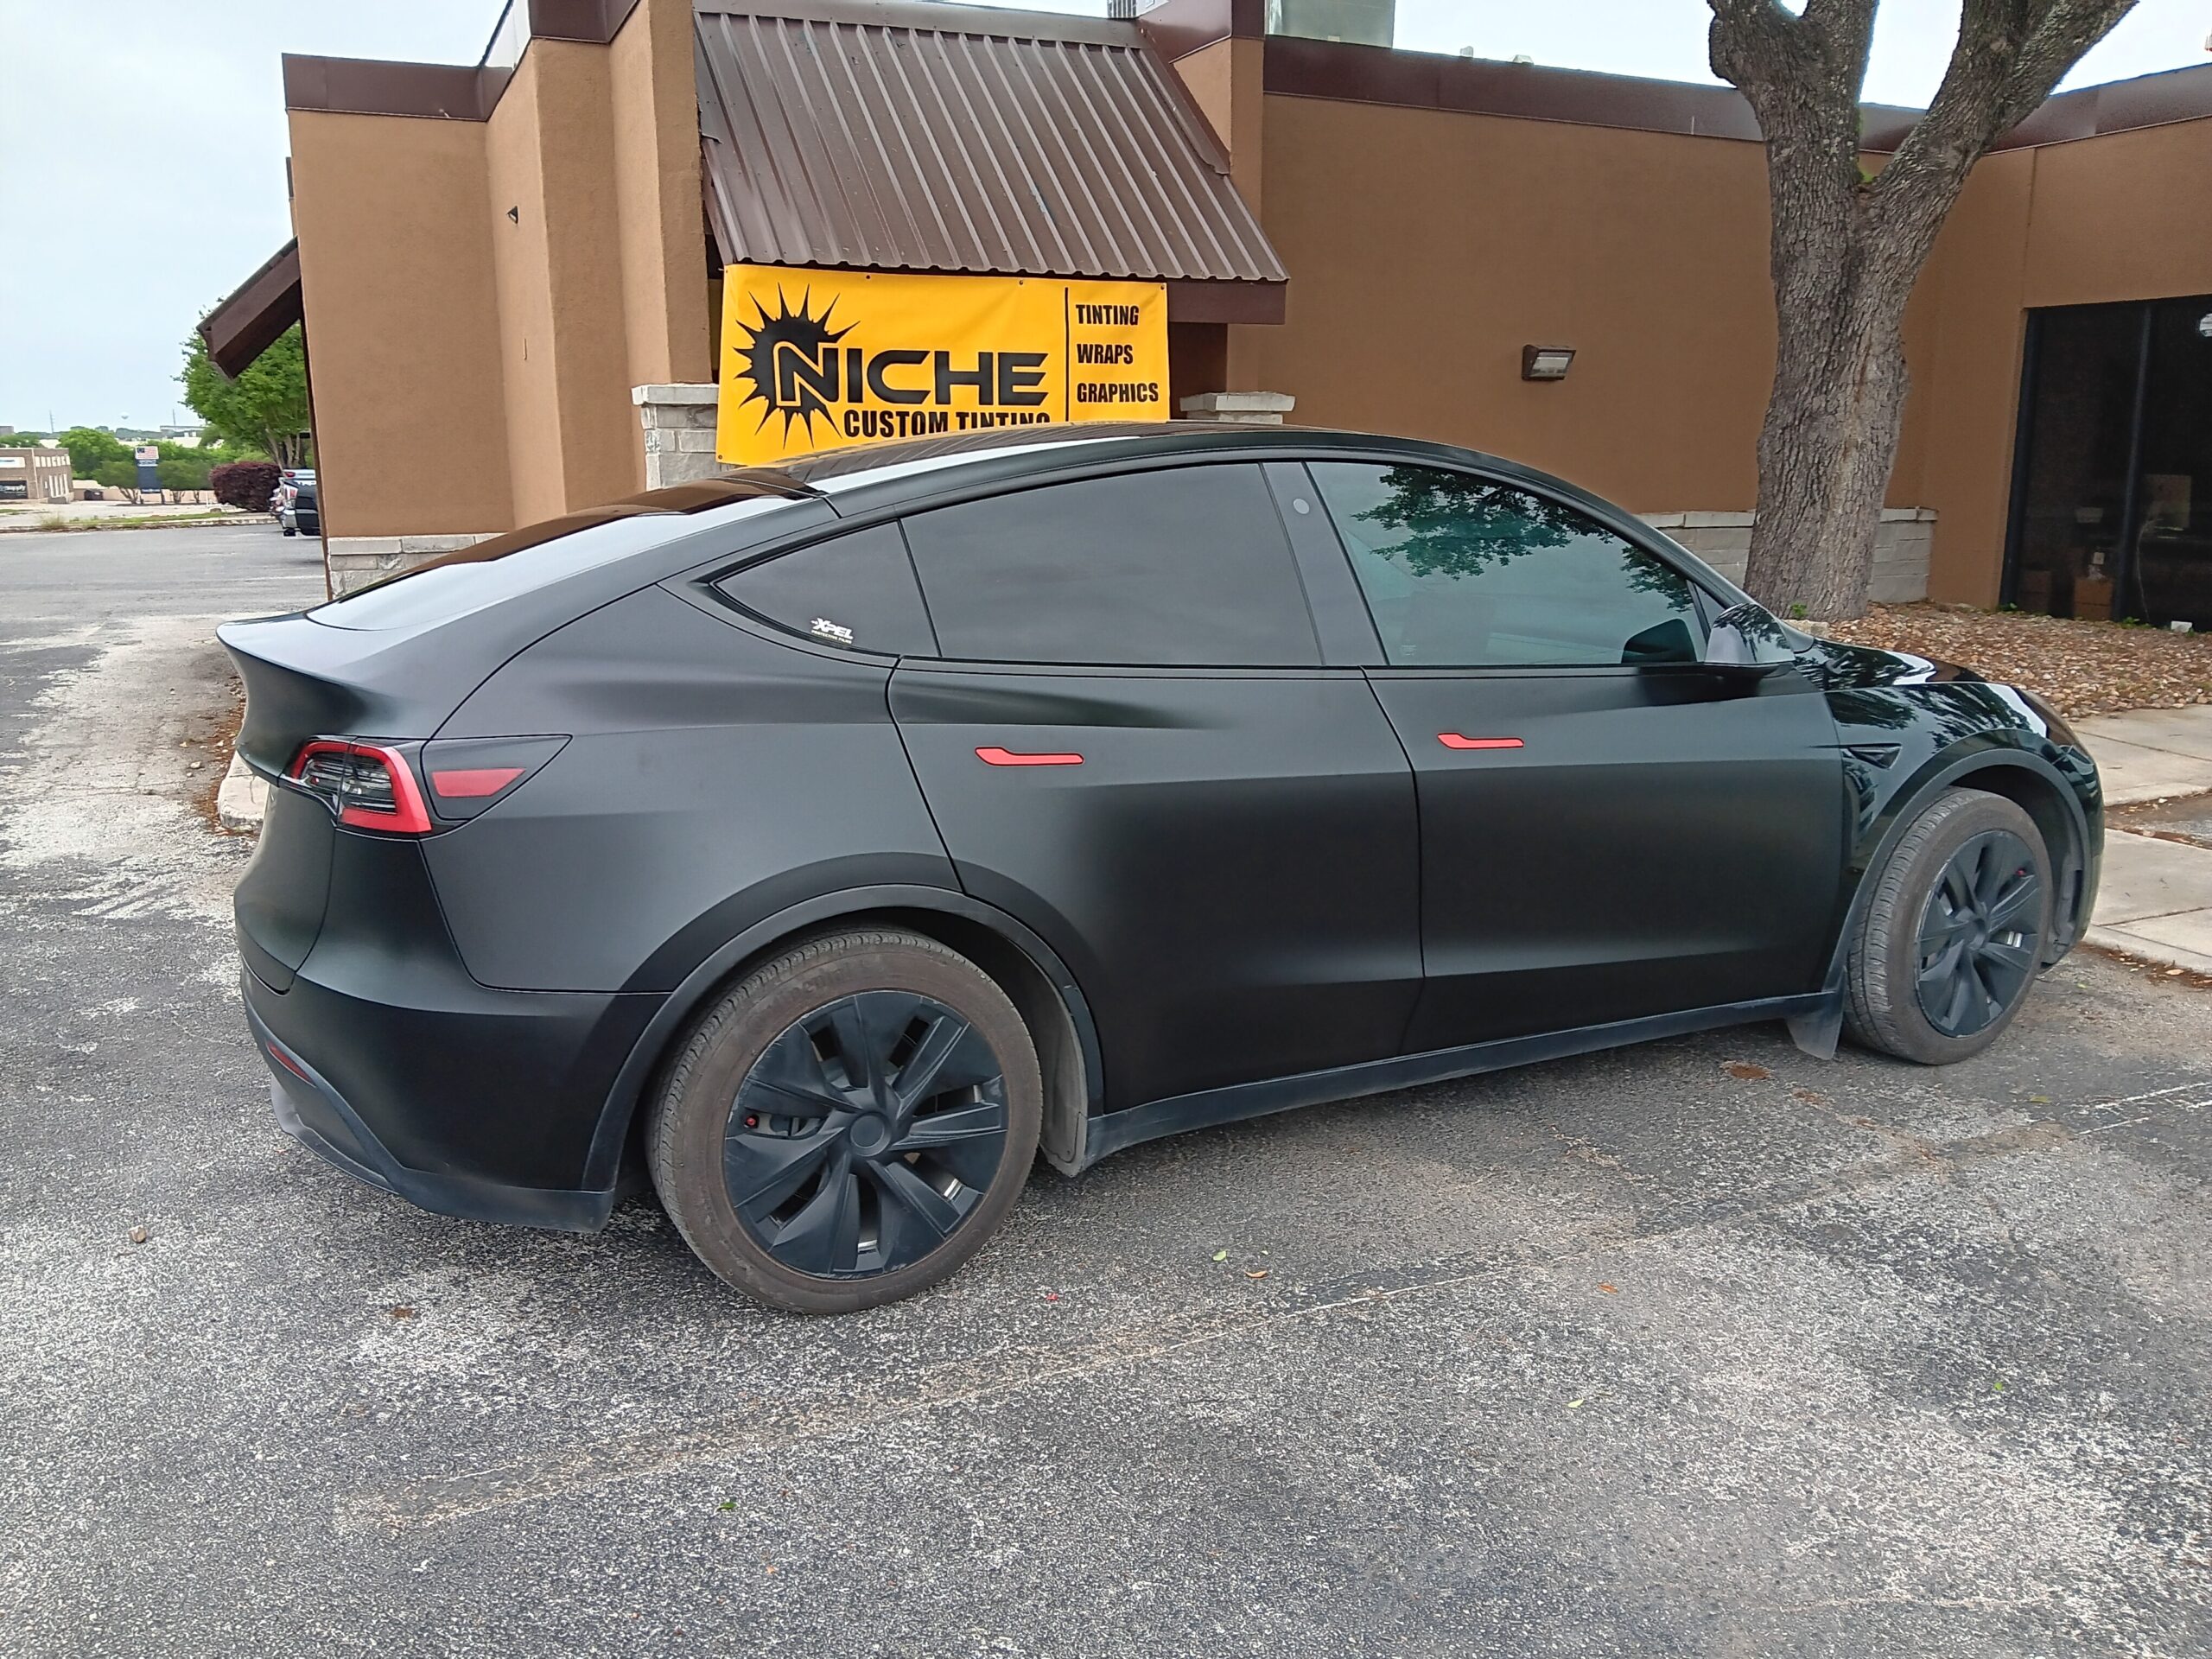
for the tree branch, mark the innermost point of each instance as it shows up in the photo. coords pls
(2010, 54)
(1801, 73)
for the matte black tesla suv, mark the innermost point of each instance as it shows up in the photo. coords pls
(822, 842)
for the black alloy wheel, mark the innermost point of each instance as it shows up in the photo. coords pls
(849, 1123)
(866, 1135)
(1978, 933)
(1954, 931)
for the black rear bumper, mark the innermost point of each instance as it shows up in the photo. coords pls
(392, 1063)
(316, 1115)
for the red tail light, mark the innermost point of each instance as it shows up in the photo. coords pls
(369, 787)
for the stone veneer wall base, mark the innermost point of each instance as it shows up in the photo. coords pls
(1902, 547)
(356, 561)
(679, 423)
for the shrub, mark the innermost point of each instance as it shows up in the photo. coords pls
(247, 484)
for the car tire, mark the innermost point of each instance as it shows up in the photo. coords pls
(876, 1184)
(1953, 933)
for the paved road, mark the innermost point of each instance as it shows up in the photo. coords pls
(1704, 1349)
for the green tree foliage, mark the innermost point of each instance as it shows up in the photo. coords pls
(221, 454)
(113, 463)
(88, 448)
(121, 475)
(266, 409)
(102, 457)
(181, 468)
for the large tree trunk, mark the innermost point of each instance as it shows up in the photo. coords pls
(1828, 445)
(1848, 248)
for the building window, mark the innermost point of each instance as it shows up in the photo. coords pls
(2111, 509)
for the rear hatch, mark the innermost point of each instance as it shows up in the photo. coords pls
(352, 690)
(306, 681)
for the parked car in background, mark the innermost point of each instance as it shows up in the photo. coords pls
(288, 484)
(300, 513)
(821, 843)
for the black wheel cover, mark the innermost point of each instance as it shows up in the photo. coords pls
(865, 1135)
(1979, 934)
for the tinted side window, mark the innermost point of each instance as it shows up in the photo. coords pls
(1464, 573)
(855, 590)
(1184, 567)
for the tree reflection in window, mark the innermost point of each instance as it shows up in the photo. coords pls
(1451, 524)
(1464, 571)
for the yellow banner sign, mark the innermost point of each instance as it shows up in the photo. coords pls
(818, 360)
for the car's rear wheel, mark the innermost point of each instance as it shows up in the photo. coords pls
(1953, 933)
(850, 1124)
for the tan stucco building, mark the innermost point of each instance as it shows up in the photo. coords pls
(492, 261)
(34, 474)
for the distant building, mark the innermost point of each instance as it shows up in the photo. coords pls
(187, 437)
(33, 474)
(1360, 22)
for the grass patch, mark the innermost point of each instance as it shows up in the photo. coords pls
(55, 521)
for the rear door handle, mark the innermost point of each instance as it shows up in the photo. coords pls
(1453, 740)
(998, 757)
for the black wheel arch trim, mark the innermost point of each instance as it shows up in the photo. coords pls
(603, 1166)
(2072, 866)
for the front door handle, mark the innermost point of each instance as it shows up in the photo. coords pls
(998, 757)
(1453, 740)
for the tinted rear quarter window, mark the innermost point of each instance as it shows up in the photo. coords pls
(855, 591)
(1183, 567)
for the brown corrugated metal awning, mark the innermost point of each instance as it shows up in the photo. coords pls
(247, 323)
(889, 135)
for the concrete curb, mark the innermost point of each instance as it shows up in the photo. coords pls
(81, 526)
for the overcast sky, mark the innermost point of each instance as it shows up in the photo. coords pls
(145, 145)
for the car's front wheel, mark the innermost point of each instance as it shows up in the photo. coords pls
(1953, 932)
(850, 1124)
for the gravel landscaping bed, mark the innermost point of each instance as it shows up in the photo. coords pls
(2083, 668)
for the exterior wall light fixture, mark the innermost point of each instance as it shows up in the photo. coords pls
(1546, 362)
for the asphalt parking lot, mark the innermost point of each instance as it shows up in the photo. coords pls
(1705, 1348)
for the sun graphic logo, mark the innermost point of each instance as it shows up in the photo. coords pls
(791, 360)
